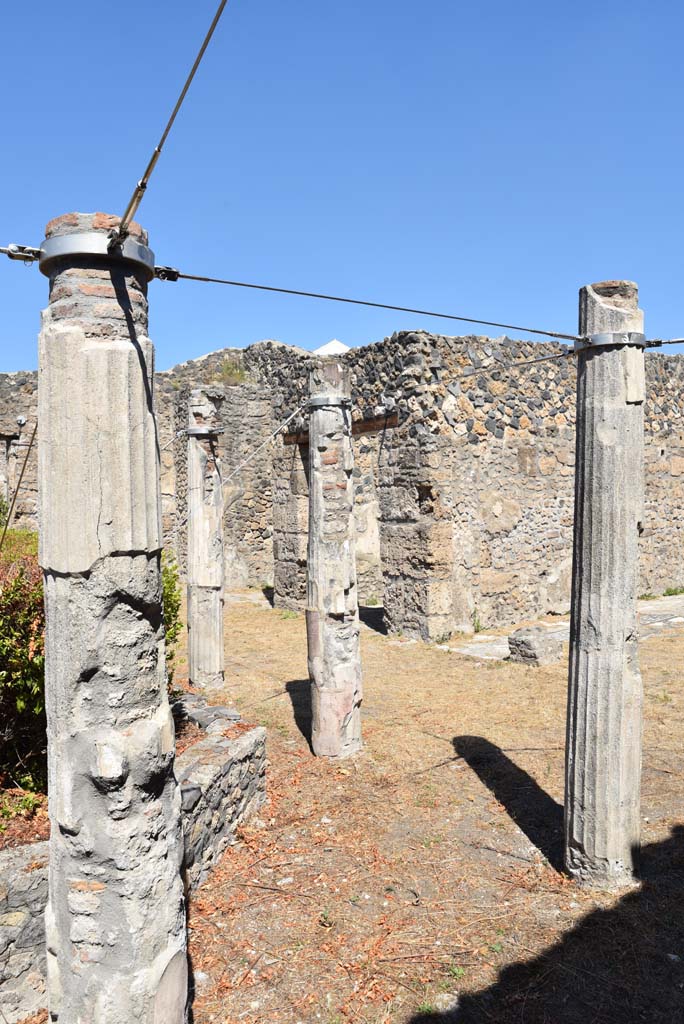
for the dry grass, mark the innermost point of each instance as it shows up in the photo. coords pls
(386, 888)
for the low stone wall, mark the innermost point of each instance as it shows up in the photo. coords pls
(223, 782)
(223, 779)
(23, 895)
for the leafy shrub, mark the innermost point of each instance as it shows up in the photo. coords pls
(19, 544)
(171, 596)
(22, 658)
(23, 724)
(232, 371)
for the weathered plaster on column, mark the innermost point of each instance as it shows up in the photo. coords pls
(205, 543)
(115, 920)
(332, 616)
(603, 757)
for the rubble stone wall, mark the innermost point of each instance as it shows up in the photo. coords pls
(23, 897)
(464, 484)
(18, 411)
(223, 783)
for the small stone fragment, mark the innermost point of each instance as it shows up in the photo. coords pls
(532, 645)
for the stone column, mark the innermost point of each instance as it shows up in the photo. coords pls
(603, 753)
(115, 921)
(205, 542)
(332, 614)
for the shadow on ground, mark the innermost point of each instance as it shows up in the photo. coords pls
(299, 691)
(623, 965)
(530, 807)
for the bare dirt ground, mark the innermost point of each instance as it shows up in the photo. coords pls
(419, 882)
(23, 817)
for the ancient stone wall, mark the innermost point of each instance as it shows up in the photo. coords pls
(247, 421)
(23, 897)
(470, 494)
(511, 439)
(18, 410)
(464, 487)
(223, 783)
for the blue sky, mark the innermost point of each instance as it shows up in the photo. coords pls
(480, 159)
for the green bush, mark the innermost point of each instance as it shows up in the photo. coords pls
(19, 544)
(232, 371)
(171, 596)
(22, 659)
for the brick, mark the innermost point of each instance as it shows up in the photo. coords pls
(66, 220)
(105, 291)
(107, 221)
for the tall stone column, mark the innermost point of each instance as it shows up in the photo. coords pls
(115, 919)
(205, 542)
(603, 753)
(332, 614)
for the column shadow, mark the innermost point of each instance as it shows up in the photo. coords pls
(530, 807)
(622, 965)
(299, 691)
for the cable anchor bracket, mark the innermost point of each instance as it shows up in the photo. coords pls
(166, 273)
(22, 253)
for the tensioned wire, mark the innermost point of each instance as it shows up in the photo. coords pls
(168, 273)
(139, 190)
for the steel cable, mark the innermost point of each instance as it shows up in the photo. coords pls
(170, 274)
(139, 190)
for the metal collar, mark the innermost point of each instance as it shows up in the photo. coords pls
(323, 401)
(204, 431)
(94, 243)
(612, 338)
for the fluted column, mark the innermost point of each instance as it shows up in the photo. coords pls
(332, 615)
(115, 921)
(205, 542)
(603, 754)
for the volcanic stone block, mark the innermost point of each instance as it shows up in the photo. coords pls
(532, 645)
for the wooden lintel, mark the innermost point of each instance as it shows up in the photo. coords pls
(371, 426)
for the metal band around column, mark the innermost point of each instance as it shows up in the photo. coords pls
(323, 401)
(94, 243)
(203, 431)
(612, 338)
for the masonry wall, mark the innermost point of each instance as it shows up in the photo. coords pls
(471, 492)
(464, 484)
(18, 409)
